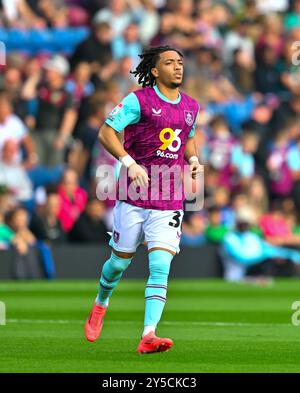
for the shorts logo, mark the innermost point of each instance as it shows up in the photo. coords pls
(189, 117)
(116, 236)
(115, 111)
(156, 112)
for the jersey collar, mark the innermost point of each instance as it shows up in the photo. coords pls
(164, 98)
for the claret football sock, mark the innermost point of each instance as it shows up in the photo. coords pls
(112, 272)
(156, 288)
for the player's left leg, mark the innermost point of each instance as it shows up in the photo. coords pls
(162, 233)
(155, 296)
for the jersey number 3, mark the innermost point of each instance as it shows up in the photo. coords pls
(175, 219)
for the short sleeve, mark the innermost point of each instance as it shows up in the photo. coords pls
(236, 155)
(293, 159)
(69, 102)
(126, 113)
(243, 162)
(20, 131)
(192, 132)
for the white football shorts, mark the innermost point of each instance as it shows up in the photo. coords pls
(132, 225)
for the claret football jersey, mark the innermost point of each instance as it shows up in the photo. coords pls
(155, 134)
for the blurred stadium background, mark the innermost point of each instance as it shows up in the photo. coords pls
(67, 66)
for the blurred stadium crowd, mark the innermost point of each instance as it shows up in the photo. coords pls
(68, 65)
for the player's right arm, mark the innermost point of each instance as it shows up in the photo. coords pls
(128, 112)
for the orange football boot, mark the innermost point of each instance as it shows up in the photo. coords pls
(94, 323)
(151, 344)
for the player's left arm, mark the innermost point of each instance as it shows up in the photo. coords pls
(191, 155)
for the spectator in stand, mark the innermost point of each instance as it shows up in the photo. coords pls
(6, 203)
(47, 229)
(293, 221)
(276, 228)
(218, 150)
(97, 51)
(112, 95)
(215, 230)
(119, 14)
(90, 226)
(12, 84)
(32, 73)
(221, 200)
(242, 71)
(14, 176)
(22, 259)
(149, 22)
(238, 38)
(283, 163)
(290, 75)
(287, 109)
(128, 44)
(124, 79)
(166, 28)
(257, 196)
(19, 14)
(261, 118)
(184, 34)
(56, 114)
(242, 158)
(183, 14)
(79, 85)
(292, 18)
(249, 10)
(12, 128)
(193, 228)
(209, 18)
(242, 248)
(267, 73)
(266, 7)
(239, 200)
(271, 35)
(45, 224)
(53, 12)
(294, 156)
(25, 261)
(72, 200)
(87, 134)
(260, 122)
(6, 234)
(224, 99)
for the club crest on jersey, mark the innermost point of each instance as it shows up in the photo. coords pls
(189, 117)
(116, 236)
(156, 112)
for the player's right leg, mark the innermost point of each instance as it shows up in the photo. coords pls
(111, 274)
(127, 235)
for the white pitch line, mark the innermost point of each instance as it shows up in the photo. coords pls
(193, 323)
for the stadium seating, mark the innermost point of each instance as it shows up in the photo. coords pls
(35, 41)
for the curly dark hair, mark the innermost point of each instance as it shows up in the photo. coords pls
(149, 59)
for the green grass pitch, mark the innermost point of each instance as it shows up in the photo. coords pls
(216, 327)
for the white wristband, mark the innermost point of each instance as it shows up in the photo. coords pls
(193, 159)
(127, 161)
